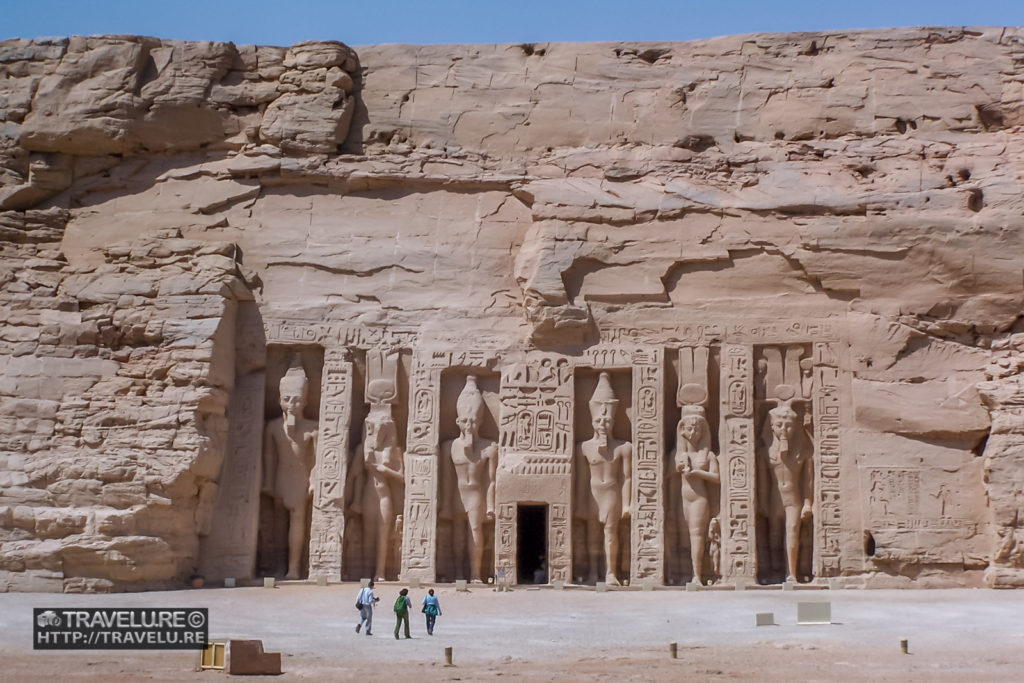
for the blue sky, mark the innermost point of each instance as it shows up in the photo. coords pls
(366, 22)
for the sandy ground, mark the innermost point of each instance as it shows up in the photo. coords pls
(570, 635)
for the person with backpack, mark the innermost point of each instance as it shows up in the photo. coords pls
(364, 603)
(432, 608)
(402, 606)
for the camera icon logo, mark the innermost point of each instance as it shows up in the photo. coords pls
(48, 618)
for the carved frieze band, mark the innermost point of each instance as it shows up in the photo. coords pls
(739, 544)
(827, 421)
(327, 526)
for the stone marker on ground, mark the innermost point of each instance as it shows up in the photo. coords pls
(788, 585)
(673, 650)
(741, 584)
(601, 587)
(764, 619)
(692, 587)
(247, 658)
(229, 583)
(321, 580)
(269, 582)
(462, 586)
(814, 612)
(448, 656)
(363, 583)
(834, 584)
(414, 583)
(558, 585)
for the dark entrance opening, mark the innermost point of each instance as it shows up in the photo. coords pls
(532, 558)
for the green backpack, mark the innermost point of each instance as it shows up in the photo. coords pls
(400, 605)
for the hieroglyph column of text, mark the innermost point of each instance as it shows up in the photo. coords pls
(827, 421)
(648, 518)
(419, 528)
(737, 463)
(327, 526)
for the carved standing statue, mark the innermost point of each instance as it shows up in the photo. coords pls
(475, 461)
(603, 482)
(376, 486)
(289, 454)
(786, 490)
(697, 466)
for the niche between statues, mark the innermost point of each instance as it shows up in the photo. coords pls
(375, 474)
(291, 411)
(602, 470)
(468, 436)
(693, 511)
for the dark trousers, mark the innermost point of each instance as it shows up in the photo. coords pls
(402, 617)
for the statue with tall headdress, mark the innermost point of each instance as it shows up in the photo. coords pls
(376, 476)
(697, 467)
(470, 503)
(603, 483)
(289, 455)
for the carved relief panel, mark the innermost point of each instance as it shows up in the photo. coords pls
(534, 465)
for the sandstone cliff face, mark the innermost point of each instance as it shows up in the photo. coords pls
(545, 197)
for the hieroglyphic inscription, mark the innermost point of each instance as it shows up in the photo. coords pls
(230, 548)
(536, 411)
(559, 561)
(337, 335)
(418, 531)
(746, 331)
(737, 439)
(327, 525)
(648, 455)
(505, 543)
(827, 422)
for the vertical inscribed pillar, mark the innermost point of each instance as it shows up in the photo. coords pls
(739, 544)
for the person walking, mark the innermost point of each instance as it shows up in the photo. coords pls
(364, 603)
(402, 606)
(432, 608)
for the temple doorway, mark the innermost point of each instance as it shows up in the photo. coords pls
(532, 556)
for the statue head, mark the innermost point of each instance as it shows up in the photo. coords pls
(469, 409)
(784, 425)
(693, 428)
(379, 428)
(293, 393)
(602, 409)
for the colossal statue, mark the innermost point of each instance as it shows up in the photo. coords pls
(603, 483)
(376, 487)
(697, 466)
(289, 454)
(470, 504)
(786, 482)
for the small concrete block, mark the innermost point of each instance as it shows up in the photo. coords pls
(558, 585)
(692, 587)
(247, 658)
(741, 584)
(601, 587)
(647, 585)
(363, 583)
(764, 619)
(229, 583)
(788, 585)
(834, 584)
(414, 583)
(268, 582)
(814, 612)
(321, 580)
(461, 585)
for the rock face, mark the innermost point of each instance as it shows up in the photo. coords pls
(793, 260)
